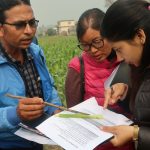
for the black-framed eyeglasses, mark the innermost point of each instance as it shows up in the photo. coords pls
(96, 43)
(33, 23)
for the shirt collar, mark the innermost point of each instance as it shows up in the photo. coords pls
(26, 54)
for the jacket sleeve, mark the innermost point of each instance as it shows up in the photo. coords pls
(72, 87)
(142, 111)
(9, 118)
(123, 74)
(144, 138)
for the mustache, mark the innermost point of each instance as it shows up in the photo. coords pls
(27, 38)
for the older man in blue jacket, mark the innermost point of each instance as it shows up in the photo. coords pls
(23, 72)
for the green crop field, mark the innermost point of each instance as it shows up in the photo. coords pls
(58, 51)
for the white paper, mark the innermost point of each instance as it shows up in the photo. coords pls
(31, 136)
(77, 133)
(111, 118)
(110, 78)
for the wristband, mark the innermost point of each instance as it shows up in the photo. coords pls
(135, 132)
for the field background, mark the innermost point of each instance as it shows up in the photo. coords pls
(58, 51)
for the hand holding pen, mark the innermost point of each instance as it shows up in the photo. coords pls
(30, 108)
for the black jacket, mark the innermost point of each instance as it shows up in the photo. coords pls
(142, 112)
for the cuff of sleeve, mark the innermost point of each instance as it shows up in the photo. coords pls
(12, 116)
(52, 110)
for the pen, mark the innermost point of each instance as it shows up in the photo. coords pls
(48, 104)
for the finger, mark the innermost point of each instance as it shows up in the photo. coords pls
(30, 107)
(112, 101)
(30, 104)
(33, 113)
(29, 101)
(117, 94)
(107, 97)
(26, 115)
(109, 129)
(34, 117)
(119, 89)
(114, 141)
(31, 117)
(57, 111)
(113, 131)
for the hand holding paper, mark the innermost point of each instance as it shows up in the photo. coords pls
(123, 134)
(84, 133)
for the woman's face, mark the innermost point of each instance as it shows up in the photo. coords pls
(94, 45)
(130, 51)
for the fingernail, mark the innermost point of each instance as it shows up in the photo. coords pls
(112, 101)
(101, 127)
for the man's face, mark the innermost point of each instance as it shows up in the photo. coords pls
(14, 35)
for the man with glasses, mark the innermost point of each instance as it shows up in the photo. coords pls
(23, 72)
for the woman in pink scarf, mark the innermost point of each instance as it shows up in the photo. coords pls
(99, 62)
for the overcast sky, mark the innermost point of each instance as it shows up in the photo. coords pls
(51, 11)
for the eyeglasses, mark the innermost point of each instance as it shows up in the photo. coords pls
(20, 25)
(96, 43)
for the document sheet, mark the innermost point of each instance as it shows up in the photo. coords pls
(31, 136)
(111, 77)
(79, 134)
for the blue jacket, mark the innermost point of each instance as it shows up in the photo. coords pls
(11, 82)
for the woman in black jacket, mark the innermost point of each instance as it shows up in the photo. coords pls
(126, 26)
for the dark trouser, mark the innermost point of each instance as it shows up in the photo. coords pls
(36, 147)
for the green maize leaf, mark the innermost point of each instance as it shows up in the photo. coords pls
(78, 115)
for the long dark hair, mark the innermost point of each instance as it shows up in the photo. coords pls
(122, 21)
(91, 18)
(8, 4)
